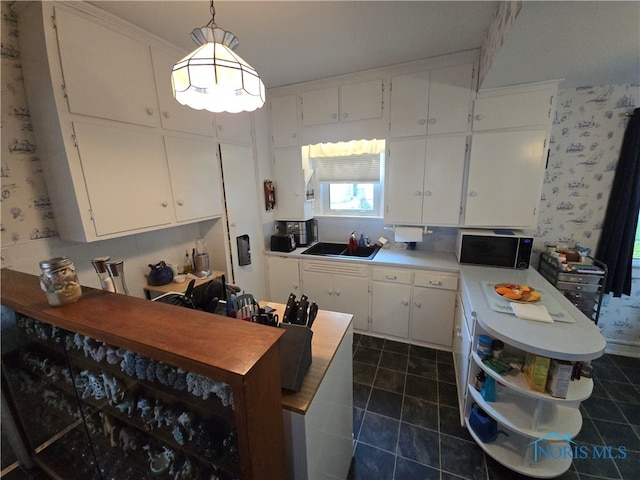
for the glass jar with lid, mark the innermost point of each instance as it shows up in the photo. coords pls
(59, 281)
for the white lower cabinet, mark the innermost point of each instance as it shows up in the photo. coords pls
(391, 302)
(413, 305)
(433, 308)
(339, 287)
(284, 278)
(462, 341)
(538, 427)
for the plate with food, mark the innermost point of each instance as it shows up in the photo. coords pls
(514, 292)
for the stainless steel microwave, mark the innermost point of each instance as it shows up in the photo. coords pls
(494, 248)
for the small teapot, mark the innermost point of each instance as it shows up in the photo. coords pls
(160, 274)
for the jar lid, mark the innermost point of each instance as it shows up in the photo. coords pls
(484, 339)
(55, 263)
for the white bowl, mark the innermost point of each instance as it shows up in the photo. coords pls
(179, 278)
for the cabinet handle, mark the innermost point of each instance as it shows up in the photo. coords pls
(334, 116)
(478, 117)
(391, 277)
(180, 203)
(345, 115)
(232, 224)
(337, 293)
(166, 114)
(149, 111)
(418, 304)
(418, 193)
(422, 121)
(295, 287)
(405, 302)
(165, 204)
(432, 121)
(434, 282)
(294, 135)
(427, 193)
(330, 292)
(473, 193)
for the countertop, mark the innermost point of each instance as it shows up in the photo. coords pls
(329, 329)
(581, 340)
(443, 261)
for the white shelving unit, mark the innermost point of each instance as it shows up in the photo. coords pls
(528, 416)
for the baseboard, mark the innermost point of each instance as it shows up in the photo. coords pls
(625, 349)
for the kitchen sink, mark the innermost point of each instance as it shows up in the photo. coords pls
(328, 249)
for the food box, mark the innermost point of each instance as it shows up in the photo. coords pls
(559, 377)
(536, 368)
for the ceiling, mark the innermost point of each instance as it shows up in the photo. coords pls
(585, 43)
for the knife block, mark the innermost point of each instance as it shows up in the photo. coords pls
(295, 355)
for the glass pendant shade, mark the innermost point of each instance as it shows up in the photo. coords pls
(214, 78)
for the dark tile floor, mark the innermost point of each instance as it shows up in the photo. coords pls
(407, 427)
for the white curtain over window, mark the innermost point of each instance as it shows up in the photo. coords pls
(357, 161)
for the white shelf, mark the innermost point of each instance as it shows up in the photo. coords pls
(514, 452)
(579, 390)
(528, 416)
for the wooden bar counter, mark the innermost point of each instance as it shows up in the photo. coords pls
(244, 355)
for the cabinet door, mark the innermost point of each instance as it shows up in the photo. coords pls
(506, 172)
(284, 121)
(106, 74)
(404, 181)
(289, 184)
(173, 115)
(320, 106)
(444, 170)
(461, 353)
(234, 127)
(390, 309)
(319, 287)
(361, 101)
(450, 99)
(351, 295)
(238, 169)
(126, 177)
(284, 278)
(513, 110)
(195, 178)
(432, 314)
(409, 104)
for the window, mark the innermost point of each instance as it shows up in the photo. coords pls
(348, 177)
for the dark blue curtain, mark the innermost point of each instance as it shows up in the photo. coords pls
(615, 247)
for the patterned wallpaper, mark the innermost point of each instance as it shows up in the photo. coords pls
(585, 144)
(499, 28)
(26, 209)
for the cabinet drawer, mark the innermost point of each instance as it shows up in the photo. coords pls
(577, 278)
(577, 287)
(435, 281)
(392, 275)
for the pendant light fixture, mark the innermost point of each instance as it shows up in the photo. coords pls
(213, 77)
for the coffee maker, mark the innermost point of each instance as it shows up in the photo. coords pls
(304, 233)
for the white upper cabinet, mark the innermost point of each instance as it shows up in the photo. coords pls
(495, 110)
(234, 127)
(358, 101)
(107, 74)
(506, 173)
(284, 121)
(361, 101)
(173, 115)
(126, 178)
(194, 168)
(291, 202)
(424, 180)
(431, 102)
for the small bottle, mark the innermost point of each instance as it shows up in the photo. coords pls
(187, 267)
(497, 346)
